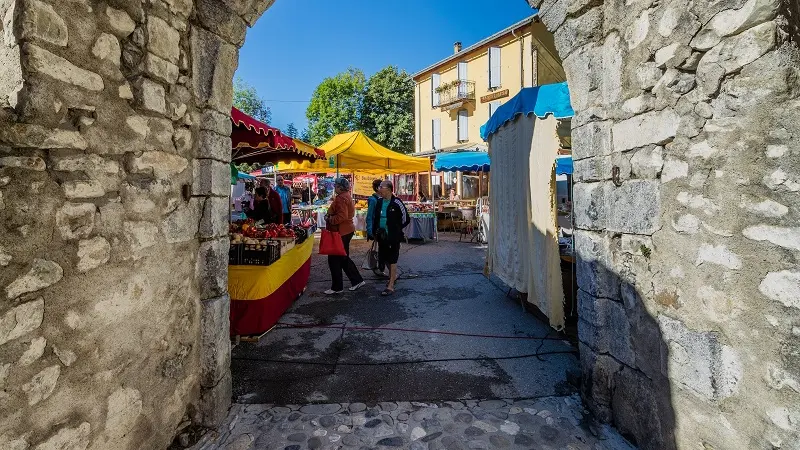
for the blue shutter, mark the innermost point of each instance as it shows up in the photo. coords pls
(463, 124)
(494, 67)
(435, 82)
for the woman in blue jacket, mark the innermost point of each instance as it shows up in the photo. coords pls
(372, 201)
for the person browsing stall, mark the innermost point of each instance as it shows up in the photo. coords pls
(262, 210)
(275, 202)
(371, 202)
(286, 200)
(390, 218)
(340, 219)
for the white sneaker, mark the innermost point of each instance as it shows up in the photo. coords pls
(332, 292)
(355, 288)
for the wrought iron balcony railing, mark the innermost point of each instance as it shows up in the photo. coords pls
(458, 92)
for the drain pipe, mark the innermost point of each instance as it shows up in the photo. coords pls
(521, 58)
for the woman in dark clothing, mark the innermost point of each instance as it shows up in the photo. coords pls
(340, 219)
(263, 210)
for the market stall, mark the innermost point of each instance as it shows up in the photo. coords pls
(269, 265)
(524, 145)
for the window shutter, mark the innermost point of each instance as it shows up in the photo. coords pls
(463, 132)
(435, 81)
(436, 134)
(493, 107)
(462, 76)
(494, 67)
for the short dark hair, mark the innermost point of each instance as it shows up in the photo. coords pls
(389, 184)
(376, 184)
(261, 192)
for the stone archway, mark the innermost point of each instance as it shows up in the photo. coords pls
(114, 123)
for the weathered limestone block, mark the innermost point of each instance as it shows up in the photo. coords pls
(699, 202)
(140, 235)
(583, 66)
(593, 169)
(719, 255)
(214, 402)
(672, 55)
(657, 127)
(151, 95)
(214, 222)
(34, 351)
(107, 48)
(612, 69)
(42, 61)
(183, 141)
(214, 146)
(181, 225)
(554, 12)
(647, 162)
(674, 169)
(734, 21)
(699, 363)
(67, 357)
(93, 253)
(162, 39)
(68, 439)
(23, 162)
(215, 342)
(211, 178)
(160, 164)
(124, 409)
(598, 372)
(764, 208)
(218, 18)
(83, 189)
(648, 75)
(635, 207)
(637, 33)
(29, 135)
(120, 22)
(636, 397)
(733, 53)
(211, 268)
(596, 264)
(75, 220)
(638, 105)
(43, 273)
(592, 139)
(21, 320)
(180, 7)
(160, 69)
(599, 314)
(579, 31)
(42, 384)
(217, 122)
(783, 287)
(41, 22)
(214, 62)
(785, 237)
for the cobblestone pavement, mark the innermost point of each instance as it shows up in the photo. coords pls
(552, 423)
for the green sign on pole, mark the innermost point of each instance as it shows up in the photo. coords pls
(332, 162)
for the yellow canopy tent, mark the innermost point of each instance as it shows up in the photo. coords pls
(355, 152)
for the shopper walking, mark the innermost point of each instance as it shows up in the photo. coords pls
(391, 217)
(286, 201)
(340, 218)
(372, 202)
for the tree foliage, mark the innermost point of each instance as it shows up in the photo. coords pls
(388, 109)
(246, 99)
(336, 106)
(291, 131)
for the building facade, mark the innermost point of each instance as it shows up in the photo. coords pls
(456, 96)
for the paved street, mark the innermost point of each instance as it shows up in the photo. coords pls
(425, 367)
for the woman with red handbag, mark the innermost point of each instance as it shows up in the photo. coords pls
(339, 221)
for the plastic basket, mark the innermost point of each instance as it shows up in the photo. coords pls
(266, 255)
(235, 254)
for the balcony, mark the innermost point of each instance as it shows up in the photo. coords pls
(456, 94)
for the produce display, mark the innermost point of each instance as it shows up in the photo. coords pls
(253, 244)
(419, 207)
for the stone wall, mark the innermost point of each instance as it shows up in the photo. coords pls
(687, 147)
(114, 145)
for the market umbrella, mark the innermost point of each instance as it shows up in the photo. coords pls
(256, 142)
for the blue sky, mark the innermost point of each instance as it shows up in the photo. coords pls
(297, 43)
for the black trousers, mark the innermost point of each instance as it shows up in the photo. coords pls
(338, 264)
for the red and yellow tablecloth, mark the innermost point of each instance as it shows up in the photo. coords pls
(261, 294)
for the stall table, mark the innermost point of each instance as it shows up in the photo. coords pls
(422, 225)
(261, 294)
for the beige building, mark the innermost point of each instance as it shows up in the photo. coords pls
(456, 96)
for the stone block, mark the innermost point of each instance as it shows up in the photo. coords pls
(218, 18)
(181, 225)
(151, 95)
(581, 68)
(672, 55)
(214, 62)
(180, 7)
(184, 141)
(214, 146)
(785, 237)
(591, 204)
(215, 401)
(76, 220)
(554, 12)
(674, 169)
(216, 121)
(648, 74)
(215, 342)
(83, 189)
(40, 21)
(579, 31)
(595, 264)
(642, 410)
(21, 320)
(719, 255)
(604, 327)
(657, 127)
(140, 236)
(107, 48)
(698, 362)
(783, 287)
(216, 217)
(42, 61)
(593, 169)
(163, 40)
(42, 385)
(23, 162)
(68, 439)
(120, 22)
(647, 162)
(638, 105)
(733, 21)
(162, 165)
(612, 69)
(212, 268)
(598, 377)
(124, 408)
(93, 253)
(211, 178)
(635, 207)
(160, 69)
(592, 139)
(639, 30)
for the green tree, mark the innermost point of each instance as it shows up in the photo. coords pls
(388, 109)
(336, 106)
(291, 131)
(304, 136)
(246, 99)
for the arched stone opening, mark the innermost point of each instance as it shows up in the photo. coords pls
(114, 125)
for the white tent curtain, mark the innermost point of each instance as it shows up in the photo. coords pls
(523, 238)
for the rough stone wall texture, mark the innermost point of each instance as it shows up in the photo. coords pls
(687, 147)
(114, 144)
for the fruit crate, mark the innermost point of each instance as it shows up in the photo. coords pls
(235, 254)
(286, 244)
(259, 255)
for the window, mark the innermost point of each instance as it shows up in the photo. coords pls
(435, 82)
(494, 67)
(462, 76)
(463, 124)
(450, 181)
(436, 134)
(493, 107)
